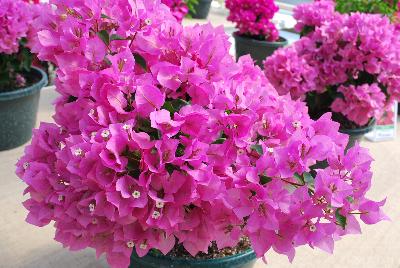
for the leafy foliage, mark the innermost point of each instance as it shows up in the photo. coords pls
(387, 7)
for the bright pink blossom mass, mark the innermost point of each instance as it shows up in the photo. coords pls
(161, 138)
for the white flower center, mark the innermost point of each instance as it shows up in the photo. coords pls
(126, 127)
(78, 152)
(296, 124)
(156, 215)
(159, 204)
(136, 194)
(313, 228)
(105, 133)
(25, 165)
(143, 246)
(130, 244)
(91, 207)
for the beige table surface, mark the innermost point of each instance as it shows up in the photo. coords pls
(23, 245)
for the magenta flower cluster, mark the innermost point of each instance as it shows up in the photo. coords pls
(178, 8)
(314, 15)
(15, 17)
(161, 138)
(253, 18)
(353, 57)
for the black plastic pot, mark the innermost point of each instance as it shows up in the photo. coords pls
(358, 133)
(258, 50)
(151, 260)
(201, 10)
(18, 110)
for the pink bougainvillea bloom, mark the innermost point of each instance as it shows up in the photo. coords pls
(160, 138)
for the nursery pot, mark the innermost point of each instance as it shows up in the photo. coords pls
(201, 9)
(245, 259)
(18, 109)
(357, 133)
(258, 50)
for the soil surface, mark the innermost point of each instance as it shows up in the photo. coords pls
(213, 252)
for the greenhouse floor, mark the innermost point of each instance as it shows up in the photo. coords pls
(23, 245)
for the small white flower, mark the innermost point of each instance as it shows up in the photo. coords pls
(93, 134)
(91, 112)
(78, 152)
(159, 204)
(130, 244)
(105, 133)
(143, 246)
(64, 182)
(25, 165)
(156, 215)
(127, 127)
(92, 207)
(296, 124)
(136, 194)
(61, 145)
(313, 228)
(60, 198)
(270, 150)
(148, 21)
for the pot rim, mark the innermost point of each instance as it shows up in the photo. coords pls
(26, 91)
(361, 130)
(250, 254)
(252, 41)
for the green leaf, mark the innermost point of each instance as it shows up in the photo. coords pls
(103, 35)
(104, 16)
(180, 150)
(116, 37)
(219, 141)
(257, 148)
(299, 178)
(264, 179)
(341, 220)
(350, 199)
(141, 61)
(308, 178)
(170, 168)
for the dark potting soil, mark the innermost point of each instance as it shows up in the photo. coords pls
(213, 252)
(30, 77)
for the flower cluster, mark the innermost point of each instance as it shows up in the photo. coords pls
(253, 18)
(351, 57)
(309, 16)
(15, 57)
(179, 9)
(14, 24)
(161, 138)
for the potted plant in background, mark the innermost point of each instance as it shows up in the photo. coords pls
(256, 34)
(175, 155)
(349, 66)
(199, 9)
(20, 83)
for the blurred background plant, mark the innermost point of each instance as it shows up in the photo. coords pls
(387, 7)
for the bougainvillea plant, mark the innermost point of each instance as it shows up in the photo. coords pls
(253, 18)
(15, 57)
(179, 8)
(349, 64)
(161, 139)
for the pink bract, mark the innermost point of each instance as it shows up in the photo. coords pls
(161, 138)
